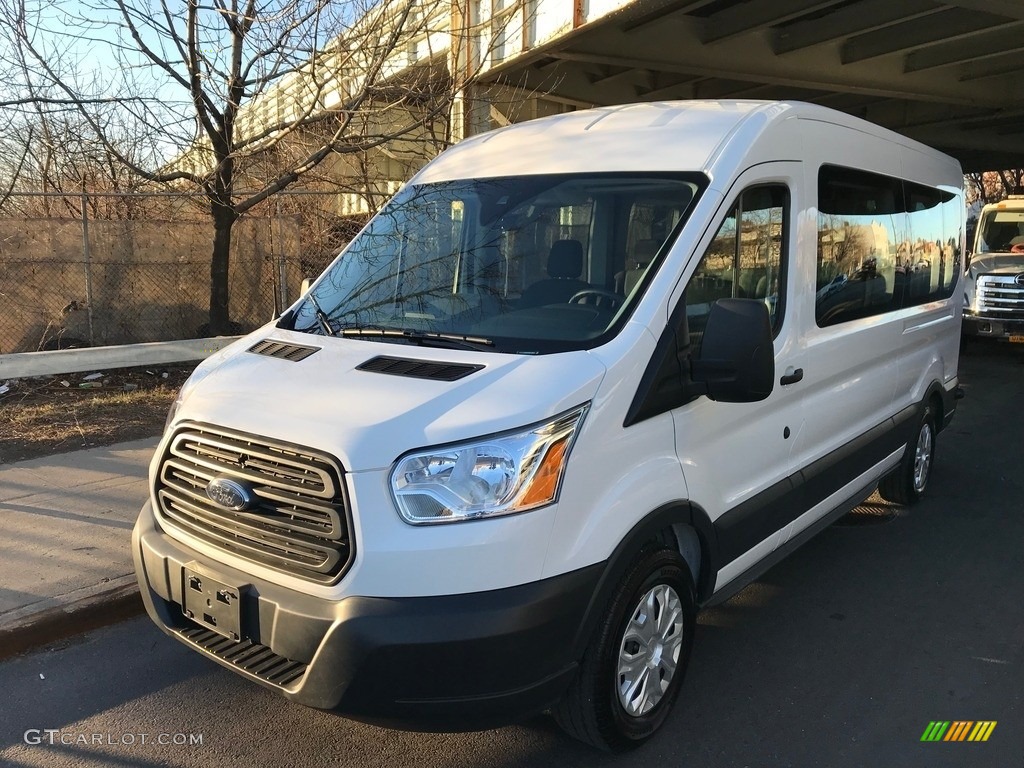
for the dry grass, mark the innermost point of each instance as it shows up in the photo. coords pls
(41, 417)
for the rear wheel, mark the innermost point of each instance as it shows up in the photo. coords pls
(907, 483)
(634, 665)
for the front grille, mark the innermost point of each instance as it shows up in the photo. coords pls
(258, 660)
(298, 521)
(1000, 296)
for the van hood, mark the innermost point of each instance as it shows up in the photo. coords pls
(367, 419)
(997, 263)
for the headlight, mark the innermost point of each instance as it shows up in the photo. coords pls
(174, 410)
(202, 370)
(498, 475)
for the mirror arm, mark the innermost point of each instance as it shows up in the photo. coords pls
(695, 388)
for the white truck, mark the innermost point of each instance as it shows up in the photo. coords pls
(994, 288)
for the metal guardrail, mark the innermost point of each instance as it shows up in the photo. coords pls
(22, 364)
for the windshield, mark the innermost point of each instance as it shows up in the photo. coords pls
(1001, 232)
(521, 264)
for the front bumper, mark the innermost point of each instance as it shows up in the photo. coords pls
(451, 663)
(992, 327)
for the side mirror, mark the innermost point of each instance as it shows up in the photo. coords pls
(736, 363)
(304, 288)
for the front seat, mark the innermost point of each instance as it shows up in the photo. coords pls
(565, 264)
(643, 255)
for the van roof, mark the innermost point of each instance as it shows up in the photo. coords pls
(648, 136)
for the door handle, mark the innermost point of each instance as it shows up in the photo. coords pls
(792, 378)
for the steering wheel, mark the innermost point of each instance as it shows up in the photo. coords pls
(1018, 248)
(599, 293)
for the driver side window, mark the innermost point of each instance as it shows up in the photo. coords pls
(745, 259)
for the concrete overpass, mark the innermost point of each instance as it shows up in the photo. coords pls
(948, 73)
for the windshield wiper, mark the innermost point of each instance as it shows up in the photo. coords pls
(423, 338)
(321, 316)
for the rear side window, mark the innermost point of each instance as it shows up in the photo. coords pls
(746, 258)
(883, 244)
(928, 261)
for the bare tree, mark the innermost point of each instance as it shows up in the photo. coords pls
(15, 139)
(63, 168)
(14, 153)
(993, 186)
(219, 86)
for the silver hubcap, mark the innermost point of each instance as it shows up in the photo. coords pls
(649, 652)
(922, 458)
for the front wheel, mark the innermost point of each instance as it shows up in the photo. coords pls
(634, 665)
(907, 483)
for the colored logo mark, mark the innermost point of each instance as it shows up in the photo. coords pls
(958, 730)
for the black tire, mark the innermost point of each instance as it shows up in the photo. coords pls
(908, 482)
(592, 709)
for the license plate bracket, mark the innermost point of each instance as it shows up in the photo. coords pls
(212, 603)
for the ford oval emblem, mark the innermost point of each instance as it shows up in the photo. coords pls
(1019, 279)
(229, 494)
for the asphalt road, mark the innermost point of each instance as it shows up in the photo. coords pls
(839, 656)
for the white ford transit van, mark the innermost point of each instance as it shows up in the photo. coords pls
(581, 377)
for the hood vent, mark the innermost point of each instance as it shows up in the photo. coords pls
(283, 350)
(418, 369)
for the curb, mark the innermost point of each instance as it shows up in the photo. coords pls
(52, 624)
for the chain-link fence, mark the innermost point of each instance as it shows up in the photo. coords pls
(80, 270)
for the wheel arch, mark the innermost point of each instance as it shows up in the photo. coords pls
(942, 401)
(681, 524)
